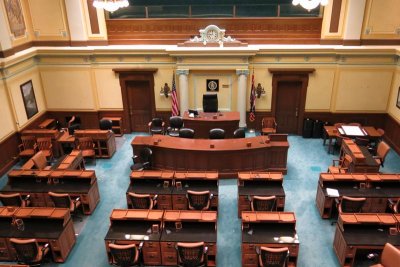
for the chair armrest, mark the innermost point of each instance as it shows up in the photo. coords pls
(77, 199)
(140, 246)
(145, 164)
(155, 197)
(258, 251)
(163, 124)
(27, 197)
(211, 196)
(45, 247)
(205, 251)
(248, 198)
(135, 157)
(149, 124)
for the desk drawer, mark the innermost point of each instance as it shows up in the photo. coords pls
(250, 260)
(151, 258)
(214, 202)
(168, 247)
(212, 248)
(249, 248)
(177, 206)
(164, 202)
(280, 203)
(151, 247)
(179, 199)
(169, 258)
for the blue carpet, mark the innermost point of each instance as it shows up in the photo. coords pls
(307, 158)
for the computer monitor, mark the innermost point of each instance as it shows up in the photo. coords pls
(194, 112)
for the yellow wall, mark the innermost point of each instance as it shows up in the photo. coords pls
(108, 88)
(7, 118)
(393, 110)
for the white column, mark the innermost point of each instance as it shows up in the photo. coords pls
(76, 20)
(354, 20)
(241, 96)
(183, 90)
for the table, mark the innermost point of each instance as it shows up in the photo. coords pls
(47, 225)
(37, 184)
(273, 229)
(330, 133)
(202, 124)
(362, 160)
(377, 188)
(226, 156)
(47, 124)
(260, 184)
(356, 233)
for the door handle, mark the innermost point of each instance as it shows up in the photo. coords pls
(297, 112)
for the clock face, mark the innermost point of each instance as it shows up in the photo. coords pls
(212, 35)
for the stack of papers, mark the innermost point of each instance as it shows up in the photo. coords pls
(332, 192)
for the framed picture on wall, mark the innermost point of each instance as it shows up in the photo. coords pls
(28, 95)
(398, 98)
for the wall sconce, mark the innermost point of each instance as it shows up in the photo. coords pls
(260, 90)
(165, 90)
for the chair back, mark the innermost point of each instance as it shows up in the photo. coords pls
(105, 124)
(11, 199)
(124, 255)
(176, 122)
(198, 200)
(273, 257)
(39, 160)
(210, 103)
(141, 201)
(239, 133)
(382, 150)
(381, 131)
(44, 143)
(186, 133)
(85, 143)
(60, 200)
(268, 122)
(259, 203)
(28, 142)
(217, 133)
(146, 154)
(27, 249)
(191, 254)
(390, 256)
(351, 204)
(156, 122)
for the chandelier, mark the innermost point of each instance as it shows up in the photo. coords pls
(310, 4)
(110, 5)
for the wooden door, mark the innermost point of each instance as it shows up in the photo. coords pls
(288, 106)
(139, 105)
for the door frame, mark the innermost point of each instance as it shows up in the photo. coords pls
(293, 75)
(128, 75)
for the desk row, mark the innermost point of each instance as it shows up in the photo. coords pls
(161, 235)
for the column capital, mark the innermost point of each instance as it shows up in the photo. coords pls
(182, 71)
(242, 72)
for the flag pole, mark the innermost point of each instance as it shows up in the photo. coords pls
(252, 115)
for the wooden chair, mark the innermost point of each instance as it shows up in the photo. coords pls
(272, 256)
(28, 147)
(259, 203)
(192, 254)
(156, 126)
(15, 200)
(381, 152)
(390, 257)
(142, 201)
(29, 251)
(86, 145)
(199, 200)
(40, 161)
(125, 255)
(341, 165)
(65, 201)
(351, 204)
(44, 144)
(268, 125)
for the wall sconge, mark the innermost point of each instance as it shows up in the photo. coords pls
(165, 90)
(260, 90)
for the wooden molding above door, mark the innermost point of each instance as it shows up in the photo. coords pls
(291, 75)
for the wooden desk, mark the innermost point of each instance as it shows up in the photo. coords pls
(330, 133)
(37, 184)
(271, 229)
(73, 161)
(196, 226)
(377, 188)
(117, 126)
(227, 156)
(47, 225)
(357, 233)
(260, 184)
(47, 124)
(229, 121)
(363, 162)
(134, 227)
(104, 141)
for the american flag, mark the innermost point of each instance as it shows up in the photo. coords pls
(252, 116)
(175, 105)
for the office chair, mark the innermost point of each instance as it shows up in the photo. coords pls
(28, 147)
(239, 133)
(73, 123)
(143, 160)
(390, 257)
(274, 257)
(156, 126)
(15, 200)
(341, 165)
(65, 201)
(217, 133)
(210, 103)
(186, 133)
(351, 204)
(125, 255)
(142, 201)
(175, 124)
(268, 125)
(199, 200)
(191, 254)
(259, 203)
(40, 161)
(86, 145)
(105, 124)
(381, 152)
(29, 251)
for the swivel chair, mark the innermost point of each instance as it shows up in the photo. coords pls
(175, 124)
(29, 251)
(143, 160)
(199, 200)
(186, 133)
(105, 124)
(192, 254)
(142, 201)
(125, 255)
(276, 257)
(210, 103)
(217, 133)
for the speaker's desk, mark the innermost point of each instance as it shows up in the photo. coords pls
(205, 121)
(227, 156)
